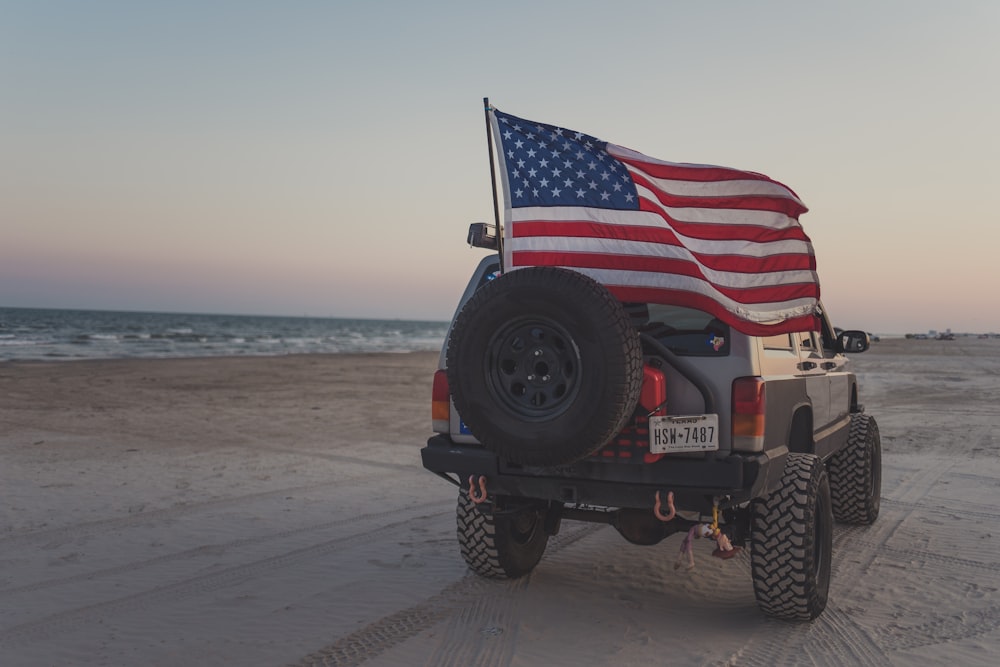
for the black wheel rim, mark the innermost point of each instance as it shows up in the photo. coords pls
(533, 368)
(523, 526)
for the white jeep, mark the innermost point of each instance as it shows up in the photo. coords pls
(555, 401)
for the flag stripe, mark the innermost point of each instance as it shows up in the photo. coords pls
(714, 197)
(762, 312)
(650, 223)
(724, 177)
(756, 290)
(709, 305)
(584, 236)
(725, 231)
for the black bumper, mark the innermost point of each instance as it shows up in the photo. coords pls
(694, 481)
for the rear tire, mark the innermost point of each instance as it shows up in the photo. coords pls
(856, 473)
(792, 541)
(500, 546)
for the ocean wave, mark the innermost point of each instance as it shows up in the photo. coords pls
(48, 334)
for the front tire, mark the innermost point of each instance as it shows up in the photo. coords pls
(856, 473)
(500, 546)
(792, 541)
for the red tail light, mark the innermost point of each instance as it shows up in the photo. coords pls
(440, 402)
(749, 408)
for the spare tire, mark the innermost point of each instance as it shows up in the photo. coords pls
(544, 366)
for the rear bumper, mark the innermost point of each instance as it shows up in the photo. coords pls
(694, 482)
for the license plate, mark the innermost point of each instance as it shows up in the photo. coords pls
(683, 433)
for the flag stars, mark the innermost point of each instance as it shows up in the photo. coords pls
(553, 166)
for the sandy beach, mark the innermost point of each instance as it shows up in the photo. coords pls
(273, 511)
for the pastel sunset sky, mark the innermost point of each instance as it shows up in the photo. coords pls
(325, 158)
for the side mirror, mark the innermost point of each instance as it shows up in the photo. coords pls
(482, 235)
(852, 341)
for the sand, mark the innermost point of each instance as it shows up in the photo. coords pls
(273, 511)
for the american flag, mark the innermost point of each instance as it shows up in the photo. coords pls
(721, 240)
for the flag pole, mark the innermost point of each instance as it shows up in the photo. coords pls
(493, 180)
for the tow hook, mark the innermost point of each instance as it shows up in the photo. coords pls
(670, 506)
(480, 497)
(724, 549)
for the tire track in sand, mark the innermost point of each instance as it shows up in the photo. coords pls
(166, 594)
(472, 602)
(940, 629)
(208, 549)
(86, 528)
(776, 642)
(471, 636)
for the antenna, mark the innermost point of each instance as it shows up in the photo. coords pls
(493, 179)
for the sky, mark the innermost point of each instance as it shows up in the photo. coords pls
(326, 158)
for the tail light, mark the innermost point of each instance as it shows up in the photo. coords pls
(440, 403)
(749, 403)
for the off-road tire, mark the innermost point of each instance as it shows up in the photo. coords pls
(856, 473)
(791, 542)
(544, 366)
(500, 546)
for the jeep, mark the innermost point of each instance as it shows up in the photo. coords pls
(555, 401)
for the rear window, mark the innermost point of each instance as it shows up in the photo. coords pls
(684, 331)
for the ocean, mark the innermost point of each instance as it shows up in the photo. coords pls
(51, 335)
